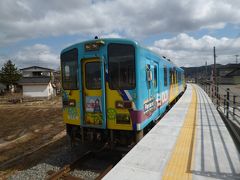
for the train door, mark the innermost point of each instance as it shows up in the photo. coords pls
(149, 78)
(155, 88)
(156, 84)
(93, 102)
(152, 79)
(152, 72)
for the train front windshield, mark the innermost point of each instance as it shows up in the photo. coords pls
(69, 69)
(121, 66)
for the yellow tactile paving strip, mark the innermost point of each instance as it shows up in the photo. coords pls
(179, 165)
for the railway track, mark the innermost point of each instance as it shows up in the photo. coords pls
(65, 172)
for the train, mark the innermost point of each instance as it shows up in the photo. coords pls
(113, 89)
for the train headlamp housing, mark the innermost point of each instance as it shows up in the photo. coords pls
(94, 46)
(69, 103)
(123, 104)
(123, 119)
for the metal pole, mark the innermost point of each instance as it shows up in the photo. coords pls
(212, 92)
(214, 67)
(224, 103)
(214, 71)
(217, 95)
(227, 102)
(209, 90)
(206, 70)
(234, 103)
(215, 91)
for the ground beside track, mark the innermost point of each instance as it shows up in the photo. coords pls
(27, 126)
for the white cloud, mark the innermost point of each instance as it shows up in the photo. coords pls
(111, 35)
(25, 19)
(36, 55)
(185, 50)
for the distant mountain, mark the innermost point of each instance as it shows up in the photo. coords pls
(203, 72)
(194, 72)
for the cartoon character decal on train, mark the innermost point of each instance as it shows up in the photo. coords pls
(114, 88)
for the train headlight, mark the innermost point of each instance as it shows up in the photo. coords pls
(123, 119)
(70, 102)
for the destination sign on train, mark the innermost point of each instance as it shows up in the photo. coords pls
(92, 47)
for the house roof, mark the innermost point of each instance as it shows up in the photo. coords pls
(34, 80)
(36, 67)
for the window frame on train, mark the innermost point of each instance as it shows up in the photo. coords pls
(115, 56)
(165, 76)
(69, 59)
(155, 74)
(93, 82)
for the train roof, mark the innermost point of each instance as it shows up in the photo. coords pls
(119, 40)
(122, 40)
(163, 58)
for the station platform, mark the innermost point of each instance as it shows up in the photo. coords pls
(189, 142)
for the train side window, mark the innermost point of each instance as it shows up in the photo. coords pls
(155, 76)
(69, 69)
(121, 66)
(148, 76)
(165, 76)
(93, 75)
(174, 75)
(171, 76)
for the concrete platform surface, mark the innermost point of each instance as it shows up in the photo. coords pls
(190, 142)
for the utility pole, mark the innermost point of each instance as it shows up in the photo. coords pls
(236, 58)
(206, 75)
(214, 66)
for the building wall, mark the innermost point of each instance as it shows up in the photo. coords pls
(26, 74)
(44, 90)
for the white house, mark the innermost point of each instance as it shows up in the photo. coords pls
(36, 71)
(37, 82)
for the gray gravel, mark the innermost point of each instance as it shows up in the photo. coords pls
(37, 172)
(61, 157)
(84, 174)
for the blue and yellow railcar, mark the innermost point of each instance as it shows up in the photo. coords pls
(114, 88)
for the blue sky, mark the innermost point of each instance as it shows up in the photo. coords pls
(33, 32)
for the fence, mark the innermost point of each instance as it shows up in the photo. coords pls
(227, 103)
